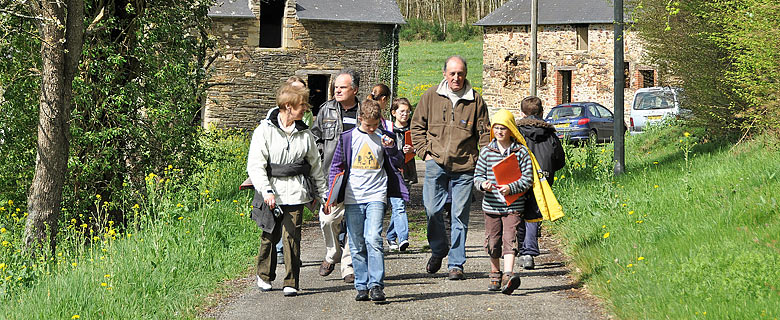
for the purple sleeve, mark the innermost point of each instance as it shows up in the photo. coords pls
(337, 165)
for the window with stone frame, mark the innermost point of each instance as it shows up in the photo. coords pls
(648, 78)
(271, 18)
(582, 36)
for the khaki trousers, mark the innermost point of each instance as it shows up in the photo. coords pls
(289, 230)
(331, 226)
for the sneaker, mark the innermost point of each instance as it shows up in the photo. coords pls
(434, 264)
(326, 268)
(528, 262)
(456, 274)
(393, 245)
(377, 294)
(403, 245)
(264, 286)
(290, 291)
(495, 281)
(362, 295)
(509, 282)
(350, 278)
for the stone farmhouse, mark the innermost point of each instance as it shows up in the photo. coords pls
(575, 55)
(263, 42)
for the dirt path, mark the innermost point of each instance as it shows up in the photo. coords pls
(545, 293)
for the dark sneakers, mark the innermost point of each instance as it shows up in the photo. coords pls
(326, 268)
(456, 274)
(509, 282)
(377, 294)
(362, 295)
(528, 262)
(434, 264)
(403, 245)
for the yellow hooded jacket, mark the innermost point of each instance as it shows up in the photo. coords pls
(545, 199)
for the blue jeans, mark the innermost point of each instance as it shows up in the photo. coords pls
(437, 182)
(398, 230)
(364, 227)
(528, 236)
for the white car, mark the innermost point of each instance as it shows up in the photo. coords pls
(652, 105)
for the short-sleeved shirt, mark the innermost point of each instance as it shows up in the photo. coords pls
(367, 180)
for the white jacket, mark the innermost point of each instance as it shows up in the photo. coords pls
(272, 145)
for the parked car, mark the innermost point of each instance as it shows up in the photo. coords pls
(582, 121)
(653, 105)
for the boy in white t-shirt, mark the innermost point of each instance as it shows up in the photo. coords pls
(370, 160)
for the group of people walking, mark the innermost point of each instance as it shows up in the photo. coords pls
(356, 163)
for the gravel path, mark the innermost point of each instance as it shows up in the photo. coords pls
(545, 293)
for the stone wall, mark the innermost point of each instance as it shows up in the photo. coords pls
(245, 76)
(506, 65)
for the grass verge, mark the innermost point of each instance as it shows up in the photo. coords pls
(690, 231)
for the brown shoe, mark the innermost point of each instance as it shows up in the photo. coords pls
(350, 278)
(456, 274)
(326, 268)
(495, 281)
(509, 283)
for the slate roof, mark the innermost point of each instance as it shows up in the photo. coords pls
(366, 11)
(518, 13)
(231, 9)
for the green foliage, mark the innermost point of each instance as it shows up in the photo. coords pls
(146, 269)
(417, 29)
(723, 53)
(691, 229)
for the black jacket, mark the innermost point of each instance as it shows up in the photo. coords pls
(546, 147)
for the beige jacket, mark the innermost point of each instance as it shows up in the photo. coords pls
(450, 134)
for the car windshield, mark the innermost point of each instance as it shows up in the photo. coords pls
(566, 112)
(653, 100)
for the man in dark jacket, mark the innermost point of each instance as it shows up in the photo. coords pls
(334, 117)
(546, 147)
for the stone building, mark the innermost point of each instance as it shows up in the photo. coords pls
(575, 55)
(263, 42)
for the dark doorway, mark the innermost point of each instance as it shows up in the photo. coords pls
(271, 14)
(565, 86)
(318, 91)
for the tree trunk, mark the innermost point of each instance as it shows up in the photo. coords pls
(463, 13)
(62, 32)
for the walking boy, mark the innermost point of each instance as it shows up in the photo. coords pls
(370, 160)
(544, 144)
(501, 220)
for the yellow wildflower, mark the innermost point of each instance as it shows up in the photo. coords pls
(631, 212)
(10, 202)
(6, 243)
(181, 218)
(74, 264)
(2, 230)
(630, 265)
(655, 186)
(640, 258)
(75, 316)
(687, 134)
(606, 235)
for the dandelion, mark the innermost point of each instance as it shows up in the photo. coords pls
(75, 316)
(629, 265)
(2, 266)
(687, 134)
(6, 243)
(623, 205)
(655, 162)
(10, 203)
(631, 212)
(242, 214)
(235, 201)
(97, 196)
(181, 217)
(217, 200)
(2, 230)
(655, 186)
(608, 281)
(606, 235)
(103, 284)
(640, 258)
(179, 205)
(640, 221)
(603, 226)
(83, 225)
(74, 264)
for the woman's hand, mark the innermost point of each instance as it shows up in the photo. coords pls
(503, 189)
(270, 200)
(487, 186)
(408, 148)
(326, 209)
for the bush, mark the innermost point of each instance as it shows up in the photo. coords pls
(416, 29)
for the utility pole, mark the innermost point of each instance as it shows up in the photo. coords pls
(534, 27)
(620, 156)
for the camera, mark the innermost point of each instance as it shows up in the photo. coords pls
(277, 211)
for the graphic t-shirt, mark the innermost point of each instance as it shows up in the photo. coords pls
(367, 179)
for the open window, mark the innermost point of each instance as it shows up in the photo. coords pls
(564, 91)
(648, 78)
(271, 16)
(582, 37)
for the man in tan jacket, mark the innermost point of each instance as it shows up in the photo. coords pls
(450, 121)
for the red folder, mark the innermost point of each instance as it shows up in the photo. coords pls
(408, 141)
(335, 190)
(507, 171)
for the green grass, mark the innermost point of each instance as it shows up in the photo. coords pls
(682, 234)
(420, 65)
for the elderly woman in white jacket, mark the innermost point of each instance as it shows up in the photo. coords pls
(285, 168)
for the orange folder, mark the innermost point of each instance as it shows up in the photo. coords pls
(507, 171)
(408, 141)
